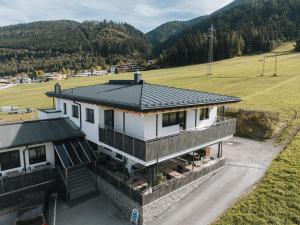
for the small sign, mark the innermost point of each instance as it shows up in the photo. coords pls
(134, 216)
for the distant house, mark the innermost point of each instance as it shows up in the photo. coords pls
(55, 76)
(129, 67)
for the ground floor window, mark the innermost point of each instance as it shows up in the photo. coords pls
(10, 160)
(37, 154)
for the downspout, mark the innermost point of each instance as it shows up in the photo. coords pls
(80, 121)
(24, 159)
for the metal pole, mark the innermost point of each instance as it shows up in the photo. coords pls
(211, 31)
(263, 68)
(275, 69)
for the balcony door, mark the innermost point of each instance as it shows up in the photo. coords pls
(182, 120)
(109, 118)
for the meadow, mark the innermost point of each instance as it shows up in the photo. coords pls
(276, 200)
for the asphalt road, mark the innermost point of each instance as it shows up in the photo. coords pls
(247, 161)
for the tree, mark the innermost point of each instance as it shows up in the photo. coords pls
(298, 46)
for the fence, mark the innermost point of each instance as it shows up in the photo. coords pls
(10, 184)
(157, 191)
(163, 146)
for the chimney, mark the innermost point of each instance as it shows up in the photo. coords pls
(57, 88)
(137, 77)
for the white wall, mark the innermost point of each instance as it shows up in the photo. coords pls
(142, 126)
(49, 157)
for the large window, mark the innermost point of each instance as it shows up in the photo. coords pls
(75, 111)
(109, 118)
(89, 115)
(37, 154)
(174, 118)
(65, 108)
(10, 160)
(204, 113)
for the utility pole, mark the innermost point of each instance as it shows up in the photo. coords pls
(275, 69)
(263, 68)
(211, 31)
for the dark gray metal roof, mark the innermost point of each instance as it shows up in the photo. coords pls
(142, 97)
(38, 131)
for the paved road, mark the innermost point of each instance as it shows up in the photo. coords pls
(247, 162)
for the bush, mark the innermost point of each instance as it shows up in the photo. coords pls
(255, 124)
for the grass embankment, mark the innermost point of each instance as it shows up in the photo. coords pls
(276, 200)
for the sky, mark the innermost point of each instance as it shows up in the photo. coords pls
(143, 14)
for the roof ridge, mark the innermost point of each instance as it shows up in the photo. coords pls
(113, 89)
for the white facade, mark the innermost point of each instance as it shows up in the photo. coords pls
(142, 126)
(139, 125)
(25, 165)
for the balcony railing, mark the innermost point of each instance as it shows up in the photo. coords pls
(148, 150)
(21, 181)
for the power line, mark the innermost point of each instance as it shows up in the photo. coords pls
(211, 31)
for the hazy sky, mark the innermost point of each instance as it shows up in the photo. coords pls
(143, 14)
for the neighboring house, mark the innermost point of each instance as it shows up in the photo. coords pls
(28, 159)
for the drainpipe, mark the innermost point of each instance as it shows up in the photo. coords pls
(80, 121)
(24, 159)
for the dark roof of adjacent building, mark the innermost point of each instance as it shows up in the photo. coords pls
(142, 96)
(36, 132)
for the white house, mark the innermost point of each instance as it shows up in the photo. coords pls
(146, 115)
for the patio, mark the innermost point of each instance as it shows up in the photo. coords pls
(145, 184)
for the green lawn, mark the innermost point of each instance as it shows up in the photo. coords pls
(277, 198)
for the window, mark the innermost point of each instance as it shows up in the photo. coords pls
(174, 118)
(10, 160)
(75, 111)
(37, 154)
(109, 118)
(89, 115)
(65, 108)
(204, 113)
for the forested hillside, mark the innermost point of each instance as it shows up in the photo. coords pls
(54, 45)
(246, 27)
(162, 33)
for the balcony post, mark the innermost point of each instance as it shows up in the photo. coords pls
(223, 112)
(220, 149)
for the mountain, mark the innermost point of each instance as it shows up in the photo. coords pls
(54, 45)
(163, 32)
(242, 27)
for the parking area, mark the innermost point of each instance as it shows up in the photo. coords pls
(98, 210)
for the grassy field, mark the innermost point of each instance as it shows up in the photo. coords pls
(277, 198)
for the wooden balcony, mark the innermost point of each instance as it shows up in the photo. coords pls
(149, 150)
